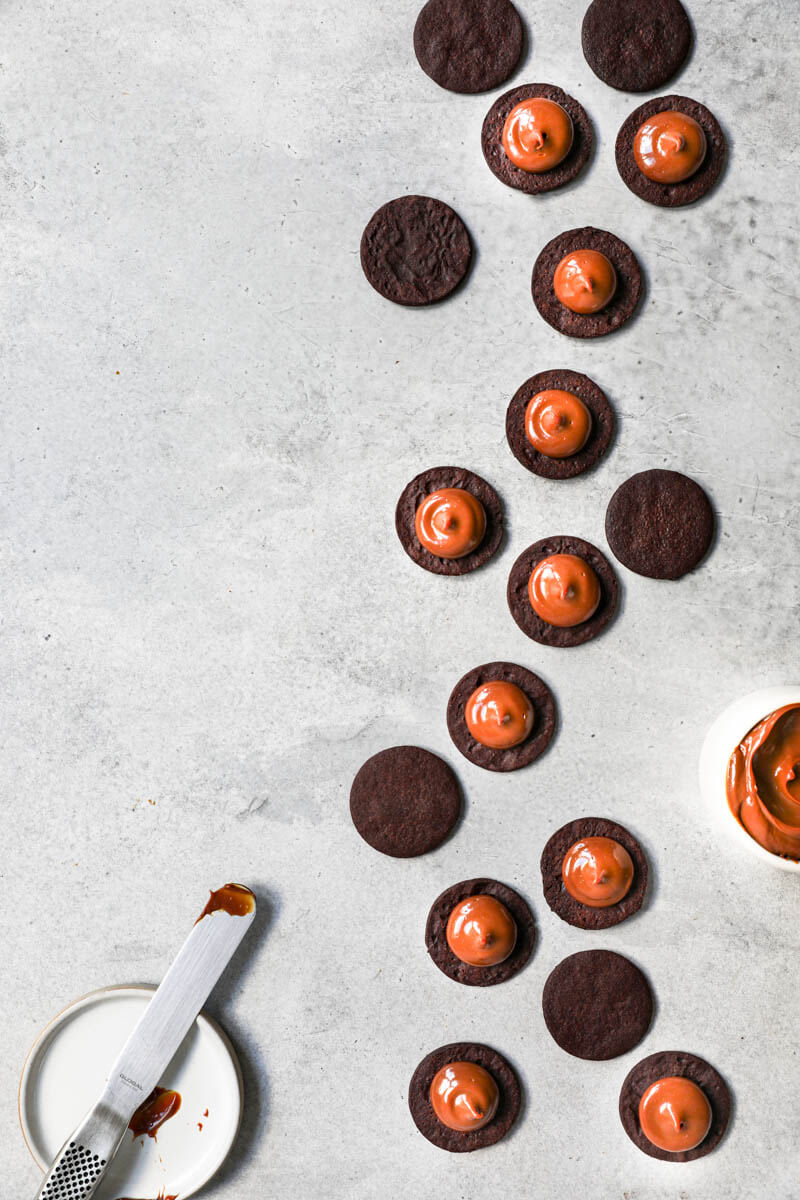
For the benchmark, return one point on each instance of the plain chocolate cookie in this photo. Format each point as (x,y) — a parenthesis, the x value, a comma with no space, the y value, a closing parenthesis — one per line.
(544,720)
(602,430)
(535,182)
(636,45)
(566,906)
(687,1066)
(439,947)
(415,250)
(454,1140)
(468,45)
(597,1004)
(448,477)
(531,623)
(405,801)
(620,307)
(671,195)
(660,524)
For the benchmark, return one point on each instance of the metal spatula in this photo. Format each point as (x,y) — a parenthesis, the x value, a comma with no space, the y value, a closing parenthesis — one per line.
(84,1159)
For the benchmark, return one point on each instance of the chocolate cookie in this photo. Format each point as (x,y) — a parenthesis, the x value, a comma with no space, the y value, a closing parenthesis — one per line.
(620,307)
(531,623)
(566,906)
(603,423)
(468,45)
(448,477)
(439,948)
(636,45)
(454,1140)
(671,195)
(415,250)
(597,1004)
(660,524)
(405,801)
(544,722)
(688,1066)
(530,181)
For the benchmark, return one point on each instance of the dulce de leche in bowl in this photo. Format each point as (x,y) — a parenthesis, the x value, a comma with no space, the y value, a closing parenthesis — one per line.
(751,763)
(763,782)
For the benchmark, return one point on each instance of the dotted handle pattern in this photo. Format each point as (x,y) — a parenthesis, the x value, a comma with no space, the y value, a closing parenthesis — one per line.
(74,1175)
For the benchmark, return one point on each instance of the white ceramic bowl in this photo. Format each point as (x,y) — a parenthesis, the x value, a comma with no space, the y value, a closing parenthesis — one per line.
(721,740)
(67,1066)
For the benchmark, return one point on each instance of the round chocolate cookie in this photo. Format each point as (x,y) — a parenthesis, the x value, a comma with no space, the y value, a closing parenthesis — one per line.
(544,721)
(688,1066)
(531,623)
(415,250)
(597,1004)
(620,307)
(425,1118)
(405,801)
(446,960)
(671,195)
(660,524)
(603,423)
(448,477)
(531,181)
(566,906)
(468,45)
(636,45)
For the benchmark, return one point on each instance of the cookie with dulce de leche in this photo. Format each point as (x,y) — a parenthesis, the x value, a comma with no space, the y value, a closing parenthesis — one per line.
(449,520)
(670,151)
(480,932)
(562,591)
(501,716)
(559,424)
(586,282)
(536,138)
(675,1106)
(594,873)
(464,1096)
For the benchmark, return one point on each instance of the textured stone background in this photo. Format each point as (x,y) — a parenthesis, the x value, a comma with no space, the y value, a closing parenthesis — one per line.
(208,622)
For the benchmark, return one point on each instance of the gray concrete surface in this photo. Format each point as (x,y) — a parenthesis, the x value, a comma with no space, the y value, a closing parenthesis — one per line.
(208,622)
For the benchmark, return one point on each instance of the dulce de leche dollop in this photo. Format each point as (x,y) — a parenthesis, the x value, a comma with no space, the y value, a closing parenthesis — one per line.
(669,147)
(537,135)
(464,1096)
(233,898)
(763,782)
(160,1105)
(563,590)
(585,281)
(674,1114)
(597,872)
(557,423)
(499,714)
(481,931)
(450,522)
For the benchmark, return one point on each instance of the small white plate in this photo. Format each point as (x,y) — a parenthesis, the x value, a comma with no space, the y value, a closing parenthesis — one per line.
(67,1068)
(721,740)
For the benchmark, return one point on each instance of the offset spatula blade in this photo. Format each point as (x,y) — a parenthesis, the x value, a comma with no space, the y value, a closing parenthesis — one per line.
(83,1161)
